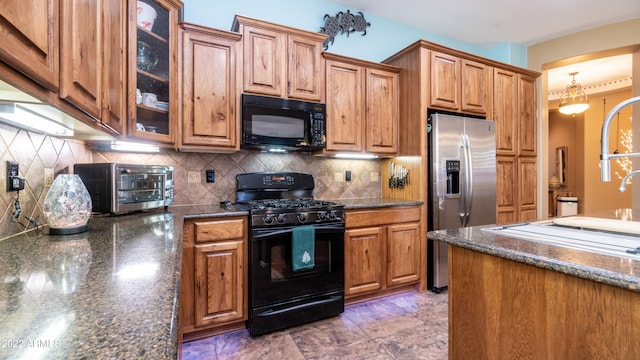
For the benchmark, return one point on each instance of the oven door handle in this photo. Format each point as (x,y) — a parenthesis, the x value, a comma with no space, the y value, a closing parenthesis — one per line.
(267,233)
(272,312)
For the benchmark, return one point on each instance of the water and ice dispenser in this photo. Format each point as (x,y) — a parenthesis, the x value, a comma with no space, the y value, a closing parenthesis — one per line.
(453,177)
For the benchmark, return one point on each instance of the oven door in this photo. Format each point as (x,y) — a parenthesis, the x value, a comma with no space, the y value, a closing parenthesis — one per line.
(272,277)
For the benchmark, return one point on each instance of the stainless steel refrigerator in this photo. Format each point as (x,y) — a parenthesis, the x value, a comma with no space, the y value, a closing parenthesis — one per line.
(462,182)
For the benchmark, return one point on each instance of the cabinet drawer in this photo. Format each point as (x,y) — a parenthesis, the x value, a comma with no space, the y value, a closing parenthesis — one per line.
(224,229)
(384,216)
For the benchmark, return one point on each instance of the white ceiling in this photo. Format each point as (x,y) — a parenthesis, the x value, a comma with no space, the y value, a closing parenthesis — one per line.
(526,22)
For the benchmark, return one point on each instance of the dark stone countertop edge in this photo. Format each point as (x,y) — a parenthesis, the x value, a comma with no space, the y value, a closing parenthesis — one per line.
(370,203)
(585,271)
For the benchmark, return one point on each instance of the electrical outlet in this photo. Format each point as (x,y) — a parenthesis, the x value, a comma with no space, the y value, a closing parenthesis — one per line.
(14,182)
(347,175)
(193,177)
(48,177)
(375,177)
(338,177)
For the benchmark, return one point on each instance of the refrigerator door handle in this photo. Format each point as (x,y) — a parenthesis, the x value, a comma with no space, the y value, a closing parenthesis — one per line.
(468,186)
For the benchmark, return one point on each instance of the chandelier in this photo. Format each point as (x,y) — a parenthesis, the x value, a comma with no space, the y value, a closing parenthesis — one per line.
(573,100)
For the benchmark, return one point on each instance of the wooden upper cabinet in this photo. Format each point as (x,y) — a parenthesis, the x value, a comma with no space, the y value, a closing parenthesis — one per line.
(30,39)
(281,61)
(527,134)
(459,84)
(209,97)
(382,114)
(345,106)
(81,50)
(153,69)
(505,110)
(445,81)
(475,86)
(362,106)
(306,68)
(264,61)
(114,97)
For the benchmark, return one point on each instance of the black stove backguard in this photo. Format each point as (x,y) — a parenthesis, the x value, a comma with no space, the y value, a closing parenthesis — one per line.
(279,296)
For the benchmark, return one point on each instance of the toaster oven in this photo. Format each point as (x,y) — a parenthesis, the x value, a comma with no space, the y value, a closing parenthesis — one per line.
(121,188)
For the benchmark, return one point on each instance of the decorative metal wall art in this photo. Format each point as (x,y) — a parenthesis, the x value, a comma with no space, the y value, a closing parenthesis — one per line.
(343,23)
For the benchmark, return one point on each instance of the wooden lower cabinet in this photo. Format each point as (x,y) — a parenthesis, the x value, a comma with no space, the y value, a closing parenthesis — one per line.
(213,287)
(382,250)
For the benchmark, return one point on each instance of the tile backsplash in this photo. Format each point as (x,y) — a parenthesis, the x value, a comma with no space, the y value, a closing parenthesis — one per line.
(35,152)
(191,187)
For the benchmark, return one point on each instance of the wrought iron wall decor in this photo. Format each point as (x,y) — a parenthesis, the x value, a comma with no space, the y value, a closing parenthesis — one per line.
(343,23)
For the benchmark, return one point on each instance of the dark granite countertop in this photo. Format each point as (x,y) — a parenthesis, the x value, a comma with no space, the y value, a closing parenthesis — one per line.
(367,203)
(111,292)
(616,271)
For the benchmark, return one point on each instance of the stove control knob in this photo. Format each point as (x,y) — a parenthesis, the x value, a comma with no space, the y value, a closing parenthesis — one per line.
(302,217)
(322,215)
(268,219)
(332,215)
(281,218)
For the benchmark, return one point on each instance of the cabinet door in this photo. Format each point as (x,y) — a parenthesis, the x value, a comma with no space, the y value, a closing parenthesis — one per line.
(382,113)
(527,188)
(81,51)
(306,69)
(153,72)
(527,125)
(475,86)
(264,61)
(30,42)
(114,99)
(505,110)
(403,254)
(506,189)
(219,283)
(445,81)
(345,106)
(364,260)
(209,114)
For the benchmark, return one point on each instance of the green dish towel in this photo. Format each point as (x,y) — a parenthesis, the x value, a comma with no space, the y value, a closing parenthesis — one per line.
(303,247)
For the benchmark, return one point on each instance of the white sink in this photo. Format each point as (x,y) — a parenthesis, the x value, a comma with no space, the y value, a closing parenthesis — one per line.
(602,236)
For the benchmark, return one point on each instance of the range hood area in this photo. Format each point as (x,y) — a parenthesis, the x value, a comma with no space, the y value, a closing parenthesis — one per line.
(21,110)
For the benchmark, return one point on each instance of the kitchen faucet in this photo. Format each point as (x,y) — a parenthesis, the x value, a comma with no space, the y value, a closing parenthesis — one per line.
(605,157)
(623,184)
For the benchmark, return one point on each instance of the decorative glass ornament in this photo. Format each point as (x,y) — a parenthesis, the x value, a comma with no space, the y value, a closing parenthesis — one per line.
(67,205)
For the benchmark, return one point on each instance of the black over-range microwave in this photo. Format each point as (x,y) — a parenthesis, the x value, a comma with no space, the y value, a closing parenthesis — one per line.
(276,124)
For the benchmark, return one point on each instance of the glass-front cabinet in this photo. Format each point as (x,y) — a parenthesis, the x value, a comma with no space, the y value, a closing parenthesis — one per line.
(153,79)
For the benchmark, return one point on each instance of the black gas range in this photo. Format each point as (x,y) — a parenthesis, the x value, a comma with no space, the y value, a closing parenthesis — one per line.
(283,216)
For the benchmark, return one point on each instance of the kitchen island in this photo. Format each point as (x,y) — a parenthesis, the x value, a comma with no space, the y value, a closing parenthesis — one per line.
(513,298)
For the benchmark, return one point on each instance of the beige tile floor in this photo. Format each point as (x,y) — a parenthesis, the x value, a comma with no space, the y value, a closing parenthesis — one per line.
(409,325)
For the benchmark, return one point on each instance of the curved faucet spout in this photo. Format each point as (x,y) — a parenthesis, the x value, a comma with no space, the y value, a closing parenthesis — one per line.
(605,156)
(623,184)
